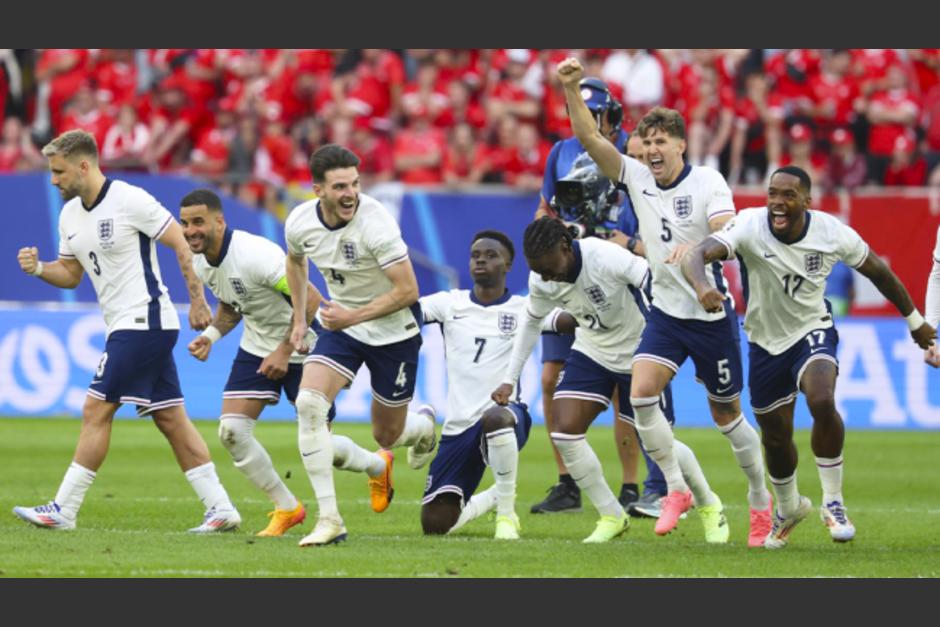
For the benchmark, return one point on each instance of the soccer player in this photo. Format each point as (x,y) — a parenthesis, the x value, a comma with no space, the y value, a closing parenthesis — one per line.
(677,206)
(564,495)
(786,252)
(372,318)
(932,304)
(247,274)
(601,285)
(107,228)
(478,326)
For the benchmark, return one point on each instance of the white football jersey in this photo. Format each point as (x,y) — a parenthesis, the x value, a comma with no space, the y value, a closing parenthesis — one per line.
(784,283)
(932,304)
(673,215)
(352,259)
(478,340)
(115,242)
(609,320)
(245,277)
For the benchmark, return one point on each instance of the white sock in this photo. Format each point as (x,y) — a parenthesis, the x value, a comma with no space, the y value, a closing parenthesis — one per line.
(479,504)
(208,488)
(788,496)
(316,448)
(656,436)
(417,427)
(746,446)
(585,469)
(503,454)
(830,476)
(237,433)
(692,471)
(72,490)
(347,455)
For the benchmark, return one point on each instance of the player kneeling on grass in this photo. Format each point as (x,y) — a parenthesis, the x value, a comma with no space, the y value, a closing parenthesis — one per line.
(788,251)
(604,287)
(247,274)
(478,326)
(107,228)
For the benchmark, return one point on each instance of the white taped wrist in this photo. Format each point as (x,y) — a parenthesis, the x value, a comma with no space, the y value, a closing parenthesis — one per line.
(213,334)
(914,320)
(38,270)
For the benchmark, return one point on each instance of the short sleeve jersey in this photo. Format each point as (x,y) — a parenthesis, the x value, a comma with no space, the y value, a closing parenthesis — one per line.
(248,269)
(479,341)
(352,259)
(677,214)
(114,241)
(785,283)
(610,321)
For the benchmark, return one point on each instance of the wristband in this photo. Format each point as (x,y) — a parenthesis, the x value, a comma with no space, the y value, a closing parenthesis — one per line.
(914,320)
(38,270)
(212,334)
(631,243)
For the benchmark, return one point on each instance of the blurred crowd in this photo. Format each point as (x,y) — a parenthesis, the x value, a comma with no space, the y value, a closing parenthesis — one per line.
(248,119)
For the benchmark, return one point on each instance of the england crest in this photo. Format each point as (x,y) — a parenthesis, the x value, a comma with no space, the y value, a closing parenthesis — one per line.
(105,229)
(239,287)
(813,263)
(682,205)
(507,322)
(350,254)
(596,295)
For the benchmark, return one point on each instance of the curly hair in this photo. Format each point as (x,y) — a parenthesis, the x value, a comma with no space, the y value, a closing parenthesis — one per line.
(542,235)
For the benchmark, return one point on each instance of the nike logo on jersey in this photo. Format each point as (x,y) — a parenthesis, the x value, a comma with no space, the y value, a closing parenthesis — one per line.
(399,393)
(646,193)
(816,350)
(456,317)
(769,255)
(71,236)
(721,391)
(302,454)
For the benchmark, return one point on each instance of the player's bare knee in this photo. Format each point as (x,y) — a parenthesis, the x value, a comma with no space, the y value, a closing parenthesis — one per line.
(822,404)
(438,518)
(724,412)
(496,418)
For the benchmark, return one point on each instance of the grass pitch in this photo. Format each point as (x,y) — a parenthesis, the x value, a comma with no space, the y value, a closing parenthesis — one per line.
(134,518)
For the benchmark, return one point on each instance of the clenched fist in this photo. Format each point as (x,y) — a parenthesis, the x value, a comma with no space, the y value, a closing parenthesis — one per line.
(29,259)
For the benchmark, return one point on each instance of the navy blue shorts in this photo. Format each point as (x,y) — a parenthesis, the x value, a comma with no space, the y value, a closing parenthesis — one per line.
(713,346)
(244,381)
(774,380)
(461,461)
(556,346)
(585,379)
(392,367)
(137,367)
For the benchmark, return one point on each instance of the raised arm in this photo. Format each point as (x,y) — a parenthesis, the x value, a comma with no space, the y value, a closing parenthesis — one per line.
(200,314)
(604,153)
(891,288)
(404,293)
(693,269)
(65,273)
(226,319)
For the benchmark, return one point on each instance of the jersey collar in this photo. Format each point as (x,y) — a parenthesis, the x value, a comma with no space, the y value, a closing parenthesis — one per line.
(101,195)
(499,301)
(338,226)
(576,268)
(686,170)
(803,233)
(226,241)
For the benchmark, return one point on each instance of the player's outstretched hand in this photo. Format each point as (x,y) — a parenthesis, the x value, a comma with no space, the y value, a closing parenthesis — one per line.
(28,258)
(678,253)
(274,366)
(570,71)
(501,394)
(712,300)
(200,315)
(200,347)
(932,355)
(924,336)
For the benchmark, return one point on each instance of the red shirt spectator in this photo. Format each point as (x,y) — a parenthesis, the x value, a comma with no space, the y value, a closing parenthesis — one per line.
(115,78)
(375,152)
(802,153)
(419,152)
(905,169)
(16,149)
(792,71)
(465,159)
(846,168)
(926,64)
(126,140)
(871,65)
(892,113)
(65,69)
(210,155)
(526,166)
(84,112)
(502,152)
(835,94)
(931,119)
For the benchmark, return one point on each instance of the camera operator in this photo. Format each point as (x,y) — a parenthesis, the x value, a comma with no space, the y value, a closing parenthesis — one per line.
(574,190)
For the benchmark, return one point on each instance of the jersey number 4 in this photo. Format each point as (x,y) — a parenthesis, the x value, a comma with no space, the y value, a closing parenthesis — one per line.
(336,277)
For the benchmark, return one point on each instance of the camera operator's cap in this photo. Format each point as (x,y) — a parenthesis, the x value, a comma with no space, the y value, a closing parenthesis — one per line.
(595,93)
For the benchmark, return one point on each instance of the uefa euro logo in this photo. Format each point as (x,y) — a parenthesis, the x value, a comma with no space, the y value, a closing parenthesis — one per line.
(682,206)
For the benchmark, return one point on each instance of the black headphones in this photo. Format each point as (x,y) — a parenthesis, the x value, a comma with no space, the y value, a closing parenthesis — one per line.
(614,109)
